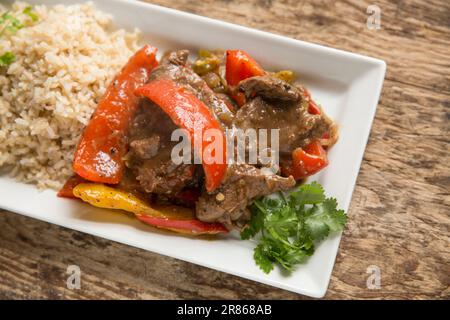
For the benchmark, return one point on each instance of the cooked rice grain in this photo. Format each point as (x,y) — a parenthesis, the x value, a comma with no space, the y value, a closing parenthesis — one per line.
(63,65)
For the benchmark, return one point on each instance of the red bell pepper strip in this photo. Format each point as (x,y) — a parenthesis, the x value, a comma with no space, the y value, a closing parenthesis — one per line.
(239,66)
(189,113)
(306,161)
(313,108)
(192,226)
(99,154)
(67,190)
(239,98)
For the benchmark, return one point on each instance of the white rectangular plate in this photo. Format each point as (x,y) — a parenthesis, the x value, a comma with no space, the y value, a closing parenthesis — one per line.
(346,84)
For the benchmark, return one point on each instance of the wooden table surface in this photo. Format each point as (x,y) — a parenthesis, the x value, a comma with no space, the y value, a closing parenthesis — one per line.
(399,216)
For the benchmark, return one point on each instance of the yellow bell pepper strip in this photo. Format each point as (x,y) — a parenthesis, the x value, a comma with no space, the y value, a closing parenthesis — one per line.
(168,217)
(189,113)
(99,154)
(106,197)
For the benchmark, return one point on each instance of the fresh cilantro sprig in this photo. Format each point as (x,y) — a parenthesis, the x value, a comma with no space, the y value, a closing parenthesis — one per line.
(29,12)
(10,24)
(6,59)
(288,227)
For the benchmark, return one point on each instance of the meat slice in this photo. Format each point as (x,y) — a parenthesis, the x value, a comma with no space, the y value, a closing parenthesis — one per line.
(145,148)
(269,88)
(296,126)
(271,104)
(178,58)
(149,156)
(242,185)
(161,176)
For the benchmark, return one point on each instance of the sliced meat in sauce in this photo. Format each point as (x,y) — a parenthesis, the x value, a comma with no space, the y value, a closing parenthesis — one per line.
(269,88)
(185,77)
(145,148)
(242,184)
(164,177)
(271,104)
(178,58)
(264,111)
(149,156)
(282,108)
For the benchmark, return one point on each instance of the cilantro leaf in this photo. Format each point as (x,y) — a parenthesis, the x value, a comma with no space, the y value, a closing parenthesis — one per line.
(10,24)
(254,226)
(308,194)
(5,16)
(290,226)
(29,12)
(262,259)
(283,223)
(325,218)
(6,59)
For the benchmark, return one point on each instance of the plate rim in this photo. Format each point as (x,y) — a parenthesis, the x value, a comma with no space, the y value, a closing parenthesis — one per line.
(377,66)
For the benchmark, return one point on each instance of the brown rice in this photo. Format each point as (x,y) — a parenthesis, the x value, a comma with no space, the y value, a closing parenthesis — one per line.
(63,64)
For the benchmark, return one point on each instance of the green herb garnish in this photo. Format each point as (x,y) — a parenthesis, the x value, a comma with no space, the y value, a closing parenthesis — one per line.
(290,225)
(10,24)
(29,12)
(6,59)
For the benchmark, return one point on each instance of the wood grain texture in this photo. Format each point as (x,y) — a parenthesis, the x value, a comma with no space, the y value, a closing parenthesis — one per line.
(399,218)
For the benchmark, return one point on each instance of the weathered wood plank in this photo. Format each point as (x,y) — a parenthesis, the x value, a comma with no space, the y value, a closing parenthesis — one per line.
(413,40)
